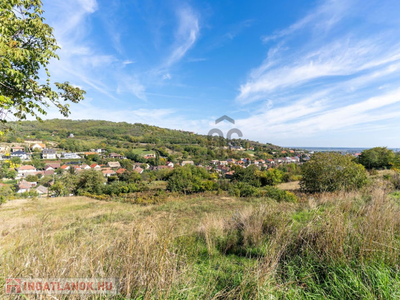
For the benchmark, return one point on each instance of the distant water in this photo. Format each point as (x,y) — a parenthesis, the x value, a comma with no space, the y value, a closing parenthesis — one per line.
(337,149)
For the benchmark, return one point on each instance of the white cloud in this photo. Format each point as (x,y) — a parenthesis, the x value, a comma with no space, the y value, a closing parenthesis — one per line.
(186,35)
(167,76)
(322,18)
(339,58)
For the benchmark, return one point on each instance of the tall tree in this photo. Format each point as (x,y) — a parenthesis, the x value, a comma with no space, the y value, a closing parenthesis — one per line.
(27,45)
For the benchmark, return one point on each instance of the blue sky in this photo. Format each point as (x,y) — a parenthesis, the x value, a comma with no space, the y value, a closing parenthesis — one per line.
(293,73)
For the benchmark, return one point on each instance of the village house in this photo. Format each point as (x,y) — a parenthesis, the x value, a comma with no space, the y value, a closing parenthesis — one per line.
(98,151)
(25,170)
(121,171)
(158,168)
(115,155)
(68,155)
(17,148)
(25,186)
(21,154)
(95,166)
(108,172)
(187,162)
(236,148)
(64,167)
(89,153)
(38,146)
(114,164)
(42,190)
(48,172)
(138,170)
(52,166)
(85,167)
(49,154)
(229,175)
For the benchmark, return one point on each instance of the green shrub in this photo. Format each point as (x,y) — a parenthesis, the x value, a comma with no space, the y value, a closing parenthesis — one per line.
(329,172)
(277,194)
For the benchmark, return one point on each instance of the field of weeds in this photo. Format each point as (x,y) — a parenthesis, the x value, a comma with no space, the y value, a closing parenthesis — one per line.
(331,246)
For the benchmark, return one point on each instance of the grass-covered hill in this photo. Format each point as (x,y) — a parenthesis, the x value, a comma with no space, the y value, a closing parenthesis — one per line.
(334,246)
(123,137)
(57,129)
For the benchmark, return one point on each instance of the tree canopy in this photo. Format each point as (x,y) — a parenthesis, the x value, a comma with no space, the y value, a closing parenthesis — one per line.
(27,45)
(377,158)
(328,172)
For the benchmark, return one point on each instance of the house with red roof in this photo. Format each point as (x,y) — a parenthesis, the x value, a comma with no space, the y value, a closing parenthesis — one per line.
(120,171)
(25,170)
(95,166)
(108,172)
(138,170)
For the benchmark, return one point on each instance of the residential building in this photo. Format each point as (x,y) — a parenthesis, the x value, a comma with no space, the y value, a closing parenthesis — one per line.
(39,146)
(115,155)
(49,154)
(53,166)
(108,172)
(42,190)
(17,148)
(95,166)
(187,162)
(24,187)
(64,167)
(25,170)
(70,156)
(114,164)
(120,171)
(21,154)
(138,170)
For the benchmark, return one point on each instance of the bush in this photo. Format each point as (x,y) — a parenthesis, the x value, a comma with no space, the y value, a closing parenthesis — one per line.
(329,172)
(277,194)
(378,157)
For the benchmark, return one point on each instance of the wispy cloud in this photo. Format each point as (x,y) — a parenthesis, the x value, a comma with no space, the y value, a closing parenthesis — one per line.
(342,57)
(186,35)
(324,78)
(322,18)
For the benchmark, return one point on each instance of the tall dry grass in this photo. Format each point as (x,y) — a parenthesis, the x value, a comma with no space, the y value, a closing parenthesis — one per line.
(284,250)
(143,257)
(342,229)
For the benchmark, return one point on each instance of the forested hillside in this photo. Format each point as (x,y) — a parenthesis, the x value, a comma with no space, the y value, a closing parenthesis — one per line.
(122,137)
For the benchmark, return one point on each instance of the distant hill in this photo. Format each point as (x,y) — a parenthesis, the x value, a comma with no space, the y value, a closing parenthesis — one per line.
(57,129)
(122,137)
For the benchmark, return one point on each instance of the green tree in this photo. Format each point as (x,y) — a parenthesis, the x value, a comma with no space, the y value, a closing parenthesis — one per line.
(328,172)
(16,160)
(90,181)
(27,45)
(31,178)
(376,158)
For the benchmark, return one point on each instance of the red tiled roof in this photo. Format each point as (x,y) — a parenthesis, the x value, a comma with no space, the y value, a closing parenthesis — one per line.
(26,167)
(108,172)
(120,171)
(138,169)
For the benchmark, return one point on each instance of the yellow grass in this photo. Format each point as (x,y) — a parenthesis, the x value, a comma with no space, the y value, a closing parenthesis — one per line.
(289,186)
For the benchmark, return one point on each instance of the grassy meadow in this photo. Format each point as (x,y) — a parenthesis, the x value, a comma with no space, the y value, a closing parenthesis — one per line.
(330,246)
